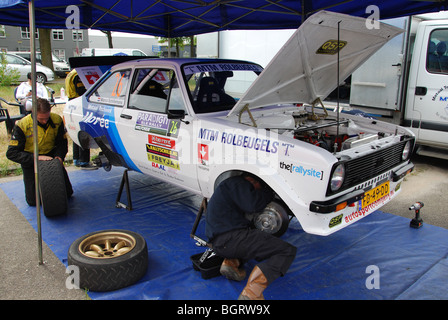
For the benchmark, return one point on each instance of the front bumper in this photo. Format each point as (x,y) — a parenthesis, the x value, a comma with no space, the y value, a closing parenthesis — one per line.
(339,203)
(61,73)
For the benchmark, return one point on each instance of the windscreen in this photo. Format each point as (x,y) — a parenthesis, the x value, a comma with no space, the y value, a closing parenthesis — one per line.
(218,86)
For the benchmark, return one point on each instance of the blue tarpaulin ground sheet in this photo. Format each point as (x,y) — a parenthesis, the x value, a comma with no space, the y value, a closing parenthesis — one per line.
(379,257)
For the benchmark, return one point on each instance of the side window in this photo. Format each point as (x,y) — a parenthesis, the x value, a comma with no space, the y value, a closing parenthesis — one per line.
(437,55)
(113,90)
(14,60)
(137,53)
(152,88)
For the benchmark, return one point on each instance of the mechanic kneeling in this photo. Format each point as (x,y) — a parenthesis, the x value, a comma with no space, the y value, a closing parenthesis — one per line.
(232,238)
(52,143)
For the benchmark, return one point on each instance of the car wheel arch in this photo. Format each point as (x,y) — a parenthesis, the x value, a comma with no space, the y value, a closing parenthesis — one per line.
(86,141)
(282,209)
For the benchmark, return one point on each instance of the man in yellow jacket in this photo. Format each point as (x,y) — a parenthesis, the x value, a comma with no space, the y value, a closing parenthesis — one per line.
(52,143)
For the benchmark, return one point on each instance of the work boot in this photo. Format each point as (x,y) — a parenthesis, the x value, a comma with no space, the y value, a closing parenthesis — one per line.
(255,286)
(229,269)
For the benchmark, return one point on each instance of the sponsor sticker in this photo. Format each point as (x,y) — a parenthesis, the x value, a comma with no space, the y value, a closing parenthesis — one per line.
(331,47)
(203,153)
(164,161)
(172,154)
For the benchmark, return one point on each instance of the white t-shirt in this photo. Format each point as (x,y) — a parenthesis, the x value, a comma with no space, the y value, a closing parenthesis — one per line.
(24,88)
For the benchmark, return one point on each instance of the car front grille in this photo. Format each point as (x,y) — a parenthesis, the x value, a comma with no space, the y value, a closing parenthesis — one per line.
(371,165)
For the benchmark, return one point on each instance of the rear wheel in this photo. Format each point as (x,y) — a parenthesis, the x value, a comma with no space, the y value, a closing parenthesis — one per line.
(274,219)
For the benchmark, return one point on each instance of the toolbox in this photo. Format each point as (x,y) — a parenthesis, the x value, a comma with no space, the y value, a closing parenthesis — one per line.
(209,267)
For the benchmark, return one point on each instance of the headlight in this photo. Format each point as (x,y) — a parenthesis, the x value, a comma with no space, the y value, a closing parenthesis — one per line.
(406,150)
(337,178)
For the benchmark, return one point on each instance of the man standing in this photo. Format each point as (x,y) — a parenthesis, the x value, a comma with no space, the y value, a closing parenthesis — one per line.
(52,143)
(75,88)
(232,238)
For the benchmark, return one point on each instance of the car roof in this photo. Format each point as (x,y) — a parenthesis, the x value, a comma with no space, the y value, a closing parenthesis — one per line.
(173,62)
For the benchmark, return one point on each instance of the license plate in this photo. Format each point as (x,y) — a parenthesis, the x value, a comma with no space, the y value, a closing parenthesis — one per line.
(375,194)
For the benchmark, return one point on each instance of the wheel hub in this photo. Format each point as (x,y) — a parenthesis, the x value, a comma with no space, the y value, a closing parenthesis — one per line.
(107,245)
(268,221)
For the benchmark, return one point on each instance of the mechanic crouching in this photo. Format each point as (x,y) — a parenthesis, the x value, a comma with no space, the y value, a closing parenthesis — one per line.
(232,238)
(52,143)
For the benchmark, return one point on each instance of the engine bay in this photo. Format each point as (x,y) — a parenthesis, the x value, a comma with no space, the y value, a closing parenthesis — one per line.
(324,129)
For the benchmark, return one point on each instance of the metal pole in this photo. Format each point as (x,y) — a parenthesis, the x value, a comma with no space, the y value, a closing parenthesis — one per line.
(34,113)
(337,82)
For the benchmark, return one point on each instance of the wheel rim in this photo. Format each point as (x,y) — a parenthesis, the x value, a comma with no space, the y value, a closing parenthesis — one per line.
(268,221)
(107,245)
(40,78)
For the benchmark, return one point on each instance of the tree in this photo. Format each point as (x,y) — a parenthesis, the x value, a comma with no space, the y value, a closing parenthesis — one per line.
(7,75)
(109,38)
(179,43)
(45,47)
(192,42)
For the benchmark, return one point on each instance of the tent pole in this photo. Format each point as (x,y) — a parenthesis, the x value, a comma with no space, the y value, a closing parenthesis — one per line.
(34,113)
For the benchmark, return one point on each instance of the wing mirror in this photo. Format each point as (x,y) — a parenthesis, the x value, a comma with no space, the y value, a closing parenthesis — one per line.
(176,114)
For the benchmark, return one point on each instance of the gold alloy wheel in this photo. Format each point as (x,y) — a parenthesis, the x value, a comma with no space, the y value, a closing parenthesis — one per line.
(106,245)
(109,259)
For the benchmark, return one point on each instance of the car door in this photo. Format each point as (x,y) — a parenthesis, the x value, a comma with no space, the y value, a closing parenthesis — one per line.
(428,91)
(157,144)
(20,64)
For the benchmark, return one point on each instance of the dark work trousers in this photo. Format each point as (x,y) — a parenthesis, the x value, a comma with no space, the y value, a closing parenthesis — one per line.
(80,154)
(275,254)
(30,185)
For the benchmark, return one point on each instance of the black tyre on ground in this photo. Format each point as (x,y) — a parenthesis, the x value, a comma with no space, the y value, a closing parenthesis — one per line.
(53,192)
(109,259)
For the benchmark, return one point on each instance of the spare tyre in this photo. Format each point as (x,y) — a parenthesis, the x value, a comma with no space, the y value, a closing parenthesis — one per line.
(109,259)
(53,192)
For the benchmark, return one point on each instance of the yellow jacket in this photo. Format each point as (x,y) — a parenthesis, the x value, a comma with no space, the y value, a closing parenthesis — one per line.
(52,140)
(73,85)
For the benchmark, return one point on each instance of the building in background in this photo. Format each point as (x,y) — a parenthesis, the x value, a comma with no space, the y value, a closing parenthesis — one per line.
(65,43)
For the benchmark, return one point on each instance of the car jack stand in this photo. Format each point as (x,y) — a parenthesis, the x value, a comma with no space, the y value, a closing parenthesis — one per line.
(417,222)
(208,262)
(124,182)
(199,242)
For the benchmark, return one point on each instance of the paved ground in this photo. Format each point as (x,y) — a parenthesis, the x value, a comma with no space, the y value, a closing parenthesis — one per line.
(428,184)
(21,277)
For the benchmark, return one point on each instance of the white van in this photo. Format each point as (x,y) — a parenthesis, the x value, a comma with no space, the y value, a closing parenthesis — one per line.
(90,52)
(407,81)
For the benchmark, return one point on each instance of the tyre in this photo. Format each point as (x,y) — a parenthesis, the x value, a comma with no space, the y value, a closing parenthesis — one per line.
(274,219)
(109,259)
(53,192)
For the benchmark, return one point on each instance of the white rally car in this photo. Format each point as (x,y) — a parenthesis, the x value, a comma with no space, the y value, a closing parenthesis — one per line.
(196,122)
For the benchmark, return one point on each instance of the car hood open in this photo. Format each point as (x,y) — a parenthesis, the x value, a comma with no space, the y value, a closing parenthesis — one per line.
(306,67)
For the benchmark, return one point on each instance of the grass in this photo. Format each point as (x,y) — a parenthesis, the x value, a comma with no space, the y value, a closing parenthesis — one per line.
(8,167)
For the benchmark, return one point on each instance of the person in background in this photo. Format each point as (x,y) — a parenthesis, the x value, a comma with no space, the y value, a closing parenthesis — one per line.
(24,89)
(75,88)
(23,92)
(52,144)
